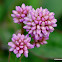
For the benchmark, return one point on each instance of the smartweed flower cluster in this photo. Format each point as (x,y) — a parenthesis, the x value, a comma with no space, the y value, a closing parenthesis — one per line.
(39,24)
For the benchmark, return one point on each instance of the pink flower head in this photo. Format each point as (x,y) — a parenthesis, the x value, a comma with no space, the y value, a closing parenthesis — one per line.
(41,41)
(20,12)
(20,44)
(39,23)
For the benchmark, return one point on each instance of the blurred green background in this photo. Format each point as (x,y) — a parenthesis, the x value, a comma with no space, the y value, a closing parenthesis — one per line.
(46,53)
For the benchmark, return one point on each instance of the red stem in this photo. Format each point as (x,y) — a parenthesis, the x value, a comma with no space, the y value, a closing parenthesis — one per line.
(9,57)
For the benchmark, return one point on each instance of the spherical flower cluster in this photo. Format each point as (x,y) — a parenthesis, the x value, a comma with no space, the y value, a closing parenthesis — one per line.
(20,44)
(42,40)
(39,23)
(20,12)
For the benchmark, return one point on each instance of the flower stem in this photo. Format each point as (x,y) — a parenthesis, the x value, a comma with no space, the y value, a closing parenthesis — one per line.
(20,59)
(22,32)
(22,29)
(9,57)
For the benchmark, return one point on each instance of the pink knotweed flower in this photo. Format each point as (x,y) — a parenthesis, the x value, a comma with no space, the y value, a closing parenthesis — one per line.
(40,23)
(41,41)
(20,44)
(20,12)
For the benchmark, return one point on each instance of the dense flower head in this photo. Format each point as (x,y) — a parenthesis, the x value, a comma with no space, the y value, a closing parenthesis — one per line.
(39,23)
(20,44)
(20,12)
(41,41)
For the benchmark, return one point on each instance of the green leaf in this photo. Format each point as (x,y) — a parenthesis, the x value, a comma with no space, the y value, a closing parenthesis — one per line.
(13,57)
(2,13)
(30,58)
(53,6)
(3,55)
(35,3)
